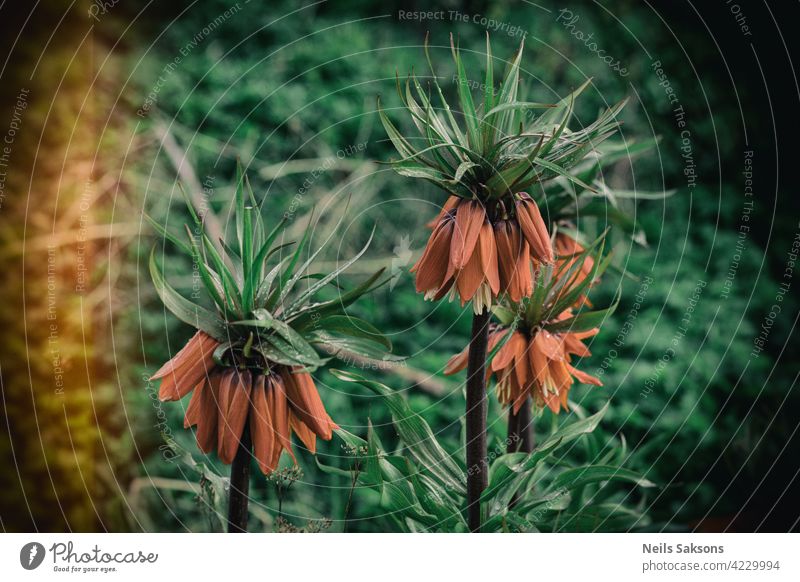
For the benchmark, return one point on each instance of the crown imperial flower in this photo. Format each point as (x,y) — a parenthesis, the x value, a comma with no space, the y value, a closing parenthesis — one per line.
(490,235)
(535,364)
(569,250)
(248,365)
(533,347)
(490,244)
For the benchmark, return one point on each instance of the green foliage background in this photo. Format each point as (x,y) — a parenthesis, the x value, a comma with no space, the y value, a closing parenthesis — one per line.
(305,87)
(291,91)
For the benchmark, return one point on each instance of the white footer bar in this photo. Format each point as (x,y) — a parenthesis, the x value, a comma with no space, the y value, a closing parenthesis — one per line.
(390,557)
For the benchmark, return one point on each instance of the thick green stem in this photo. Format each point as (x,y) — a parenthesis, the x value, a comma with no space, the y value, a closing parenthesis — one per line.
(240,485)
(477,472)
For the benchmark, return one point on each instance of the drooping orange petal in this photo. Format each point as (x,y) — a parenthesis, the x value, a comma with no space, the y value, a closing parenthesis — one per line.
(560,374)
(470,278)
(185,379)
(549,345)
(449,205)
(208,415)
(333,426)
(581,335)
(583,377)
(180,380)
(538,362)
(514,346)
(194,409)
(495,337)
(167,390)
(521,364)
(520,399)
(504,386)
(457,362)
(517,393)
(427,250)
(187,368)
(469,218)
(565,244)
(534,229)
(305,402)
(237,415)
(520,284)
(308,438)
(443,228)
(200,345)
(314,407)
(551,399)
(488,253)
(529,230)
(226,388)
(261,427)
(564,398)
(505,257)
(523,271)
(566,314)
(434,263)
(568,249)
(279,411)
(575,346)
(444,289)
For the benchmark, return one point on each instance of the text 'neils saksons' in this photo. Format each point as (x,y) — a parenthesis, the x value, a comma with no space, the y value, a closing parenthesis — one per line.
(664,548)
